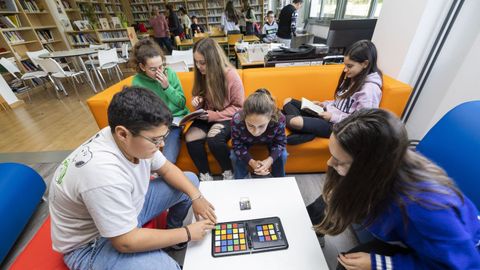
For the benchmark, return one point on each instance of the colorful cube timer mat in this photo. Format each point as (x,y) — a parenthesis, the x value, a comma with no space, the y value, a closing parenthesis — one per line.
(248,236)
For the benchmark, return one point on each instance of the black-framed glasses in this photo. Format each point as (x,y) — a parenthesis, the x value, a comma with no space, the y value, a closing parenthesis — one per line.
(158,140)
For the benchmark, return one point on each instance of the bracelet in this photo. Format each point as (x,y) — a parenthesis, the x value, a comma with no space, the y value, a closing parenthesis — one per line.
(189,237)
(198,197)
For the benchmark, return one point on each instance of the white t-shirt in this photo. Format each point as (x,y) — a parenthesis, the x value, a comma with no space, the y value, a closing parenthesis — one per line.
(96,191)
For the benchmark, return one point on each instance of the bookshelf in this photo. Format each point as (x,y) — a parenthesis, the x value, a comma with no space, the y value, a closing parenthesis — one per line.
(103,17)
(27,25)
(208,12)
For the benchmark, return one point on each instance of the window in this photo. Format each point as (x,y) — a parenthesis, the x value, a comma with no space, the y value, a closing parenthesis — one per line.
(326,10)
(323,9)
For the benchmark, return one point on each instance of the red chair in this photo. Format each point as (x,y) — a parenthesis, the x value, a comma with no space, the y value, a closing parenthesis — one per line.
(39,255)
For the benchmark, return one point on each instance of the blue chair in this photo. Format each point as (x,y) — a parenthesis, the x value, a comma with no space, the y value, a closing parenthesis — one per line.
(454,144)
(21,189)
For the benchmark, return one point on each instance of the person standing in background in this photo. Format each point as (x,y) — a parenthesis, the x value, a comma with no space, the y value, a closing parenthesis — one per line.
(161,33)
(288,22)
(185,21)
(174,24)
(230,19)
(249,16)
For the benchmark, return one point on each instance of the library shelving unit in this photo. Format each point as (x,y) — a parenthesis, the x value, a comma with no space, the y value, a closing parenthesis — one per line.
(107,28)
(27,25)
(208,12)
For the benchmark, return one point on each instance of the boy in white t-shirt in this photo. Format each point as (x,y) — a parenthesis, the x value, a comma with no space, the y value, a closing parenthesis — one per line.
(101,194)
(270,28)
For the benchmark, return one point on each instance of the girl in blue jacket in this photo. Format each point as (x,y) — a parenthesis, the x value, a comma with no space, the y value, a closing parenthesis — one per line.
(418,216)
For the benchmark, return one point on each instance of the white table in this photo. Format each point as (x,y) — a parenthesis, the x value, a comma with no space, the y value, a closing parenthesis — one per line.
(77,54)
(268,197)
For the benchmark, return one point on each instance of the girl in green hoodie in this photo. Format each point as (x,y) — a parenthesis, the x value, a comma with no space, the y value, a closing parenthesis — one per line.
(153,74)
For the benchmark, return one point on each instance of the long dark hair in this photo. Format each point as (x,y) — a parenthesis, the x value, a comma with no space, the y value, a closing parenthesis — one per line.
(383,171)
(360,51)
(231,12)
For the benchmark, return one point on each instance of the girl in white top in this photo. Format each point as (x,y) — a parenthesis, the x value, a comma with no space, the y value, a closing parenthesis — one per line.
(230,18)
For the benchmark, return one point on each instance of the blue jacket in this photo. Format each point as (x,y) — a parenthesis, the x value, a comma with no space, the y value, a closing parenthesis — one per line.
(439,238)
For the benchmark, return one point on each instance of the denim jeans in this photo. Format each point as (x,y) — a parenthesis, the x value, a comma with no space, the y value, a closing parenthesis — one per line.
(172,144)
(241,168)
(102,255)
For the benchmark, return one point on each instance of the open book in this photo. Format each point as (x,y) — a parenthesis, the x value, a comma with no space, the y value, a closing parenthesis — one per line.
(182,121)
(311,107)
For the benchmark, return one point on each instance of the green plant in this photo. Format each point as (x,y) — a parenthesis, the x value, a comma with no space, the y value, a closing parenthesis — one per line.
(123,19)
(91,17)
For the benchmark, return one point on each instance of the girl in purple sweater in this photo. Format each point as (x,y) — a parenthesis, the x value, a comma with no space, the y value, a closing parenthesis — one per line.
(260,122)
(359,86)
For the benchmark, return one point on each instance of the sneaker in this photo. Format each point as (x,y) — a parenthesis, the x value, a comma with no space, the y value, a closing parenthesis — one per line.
(228,175)
(205,177)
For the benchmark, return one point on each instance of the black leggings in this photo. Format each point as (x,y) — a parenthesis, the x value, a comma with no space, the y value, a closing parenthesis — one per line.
(311,124)
(217,145)
(316,212)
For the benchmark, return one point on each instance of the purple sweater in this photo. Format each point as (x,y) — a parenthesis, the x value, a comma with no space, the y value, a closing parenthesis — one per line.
(274,137)
(368,96)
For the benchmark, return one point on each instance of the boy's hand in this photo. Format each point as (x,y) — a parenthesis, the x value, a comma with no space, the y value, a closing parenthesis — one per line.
(204,209)
(358,260)
(199,229)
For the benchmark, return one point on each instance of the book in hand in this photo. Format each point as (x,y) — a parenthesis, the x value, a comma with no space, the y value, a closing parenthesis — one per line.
(182,121)
(311,107)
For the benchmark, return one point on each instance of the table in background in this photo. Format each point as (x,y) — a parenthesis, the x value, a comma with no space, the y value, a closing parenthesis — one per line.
(222,41)
(244,63)
(77,54)
(268,197)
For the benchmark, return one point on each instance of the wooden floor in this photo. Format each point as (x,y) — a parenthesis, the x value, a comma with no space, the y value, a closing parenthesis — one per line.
(48,124)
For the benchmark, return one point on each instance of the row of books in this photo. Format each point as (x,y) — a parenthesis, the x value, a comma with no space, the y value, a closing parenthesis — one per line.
(110,9)
(30,5)
(119,44)
(28,65)
(197,5)
(8,5)
(140,17)
(10,21)
(66,5)
(45,35)
(140,8)
(114,35)
(13,36)
(82,38)
(49,47)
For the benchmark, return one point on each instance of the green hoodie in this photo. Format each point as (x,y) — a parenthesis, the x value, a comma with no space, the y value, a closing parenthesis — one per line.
(172,96)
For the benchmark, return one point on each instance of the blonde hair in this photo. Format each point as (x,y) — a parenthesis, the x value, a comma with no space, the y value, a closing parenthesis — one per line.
(143,50)
(261,102)
(212,85)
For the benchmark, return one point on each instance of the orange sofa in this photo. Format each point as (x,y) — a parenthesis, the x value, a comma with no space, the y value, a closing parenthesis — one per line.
(314,83)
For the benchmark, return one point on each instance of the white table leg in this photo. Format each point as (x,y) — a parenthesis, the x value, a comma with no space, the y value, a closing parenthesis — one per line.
(79,59)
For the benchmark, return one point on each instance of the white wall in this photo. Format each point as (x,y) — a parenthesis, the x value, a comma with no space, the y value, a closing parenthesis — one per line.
(455,78)
(404,34)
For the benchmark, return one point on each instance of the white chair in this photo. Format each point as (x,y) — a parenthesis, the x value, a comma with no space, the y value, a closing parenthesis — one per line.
(177,56)
(10,65)
(180,66)
(56,72)
(108,60)
(179,53)
(33,55)
(124,58)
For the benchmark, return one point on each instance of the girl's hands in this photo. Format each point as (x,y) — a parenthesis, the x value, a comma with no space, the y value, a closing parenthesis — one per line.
(162,79)
(318,103)
(325,115)
(197,101)
(263,167)
(355,261)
